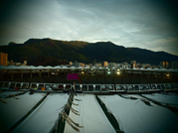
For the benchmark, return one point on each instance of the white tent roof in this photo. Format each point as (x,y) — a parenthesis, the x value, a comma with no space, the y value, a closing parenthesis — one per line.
(12,67)
(93,67)
(22,67)
(164,98)
(48,67)
(64,67)
(14,109)
(172,70)
(40,67)
(87,67)
(44,117)
(57,67)
(155,68)
(113,67)
(148,69)
(134,116)
(100,68)
(2,67)
(80,67)
(91,117)
(31,67)
(106,68)
(163,69)
(72,67)
(7,93)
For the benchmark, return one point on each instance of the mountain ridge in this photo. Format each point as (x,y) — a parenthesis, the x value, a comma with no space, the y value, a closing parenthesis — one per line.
(80,51)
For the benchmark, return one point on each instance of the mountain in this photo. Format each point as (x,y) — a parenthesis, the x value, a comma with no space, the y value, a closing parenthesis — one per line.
(53,52)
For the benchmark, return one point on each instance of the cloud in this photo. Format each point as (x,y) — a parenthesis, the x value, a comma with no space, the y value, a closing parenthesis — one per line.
(132,23)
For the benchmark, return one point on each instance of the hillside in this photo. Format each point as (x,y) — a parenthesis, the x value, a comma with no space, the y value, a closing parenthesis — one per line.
(52,52)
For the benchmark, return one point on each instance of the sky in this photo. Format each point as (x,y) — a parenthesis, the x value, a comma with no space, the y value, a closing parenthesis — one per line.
(147,24)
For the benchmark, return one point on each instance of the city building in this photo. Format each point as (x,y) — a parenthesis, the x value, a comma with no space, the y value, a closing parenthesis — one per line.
(3,59)
(70,63)
(146,65)
(165,64)
(111,64)
(11,62)
(87,66)
(17,63)
(105,64)
(139,65)
(168,65)
(76,64)
(98,64)
(174,65)
(24,63)
(133,64)
(118,65)
(82,64)
(154,66)
(125,65)
(162,63)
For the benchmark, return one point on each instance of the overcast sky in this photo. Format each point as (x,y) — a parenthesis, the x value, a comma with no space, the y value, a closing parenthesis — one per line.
(148,24)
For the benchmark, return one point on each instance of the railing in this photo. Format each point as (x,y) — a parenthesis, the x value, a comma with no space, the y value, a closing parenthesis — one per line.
(87,87)
(13,85)
(94,87)
(50,86)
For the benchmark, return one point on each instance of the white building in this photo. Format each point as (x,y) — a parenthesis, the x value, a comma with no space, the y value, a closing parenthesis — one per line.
(111,64)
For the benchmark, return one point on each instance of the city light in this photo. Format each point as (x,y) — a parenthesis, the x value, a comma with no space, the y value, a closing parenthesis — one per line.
(109,72)
(118,73)
(167,75)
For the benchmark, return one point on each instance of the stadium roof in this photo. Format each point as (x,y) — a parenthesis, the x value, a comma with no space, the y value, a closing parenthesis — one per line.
(40,111)
(12,67)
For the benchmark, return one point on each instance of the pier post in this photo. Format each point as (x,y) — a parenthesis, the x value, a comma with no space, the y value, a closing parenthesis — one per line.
(12,74)
(21,75)
(39,73)
(30,73)
(48,73)
(1,75)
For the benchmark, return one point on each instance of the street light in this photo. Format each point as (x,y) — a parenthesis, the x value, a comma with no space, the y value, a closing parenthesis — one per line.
(167,75)
(118,73)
